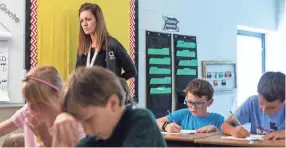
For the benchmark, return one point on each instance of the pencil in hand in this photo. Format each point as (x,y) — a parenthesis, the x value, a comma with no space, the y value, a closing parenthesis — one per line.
(39,139)
(171,116)
(236,119)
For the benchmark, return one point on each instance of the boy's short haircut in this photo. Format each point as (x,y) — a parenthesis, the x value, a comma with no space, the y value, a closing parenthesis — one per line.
(92,86)
(272,86)
(200,87)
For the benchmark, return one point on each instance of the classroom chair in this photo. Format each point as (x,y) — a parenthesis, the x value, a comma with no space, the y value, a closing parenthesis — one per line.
(14,140)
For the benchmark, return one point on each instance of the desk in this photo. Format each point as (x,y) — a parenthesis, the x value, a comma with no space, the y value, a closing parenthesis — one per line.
(218,141)
(185,139)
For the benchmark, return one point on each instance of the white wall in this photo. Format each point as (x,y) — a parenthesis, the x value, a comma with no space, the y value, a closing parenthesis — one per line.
(214,24)
(17,47)
(276,41)
(281,15)
(275,52)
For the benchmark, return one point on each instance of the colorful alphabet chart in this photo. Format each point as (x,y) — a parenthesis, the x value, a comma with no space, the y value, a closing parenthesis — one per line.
(4,71)
(222,75)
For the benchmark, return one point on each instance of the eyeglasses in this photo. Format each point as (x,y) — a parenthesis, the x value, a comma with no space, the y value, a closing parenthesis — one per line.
(196,104)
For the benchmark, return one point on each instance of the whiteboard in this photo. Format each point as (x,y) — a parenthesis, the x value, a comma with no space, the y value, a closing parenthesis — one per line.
(16,49)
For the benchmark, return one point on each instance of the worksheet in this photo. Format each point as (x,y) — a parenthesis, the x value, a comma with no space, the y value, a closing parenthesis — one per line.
(182,132)
(252,137)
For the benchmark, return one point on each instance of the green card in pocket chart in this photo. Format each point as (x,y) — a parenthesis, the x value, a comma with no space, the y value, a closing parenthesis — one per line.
(156,70)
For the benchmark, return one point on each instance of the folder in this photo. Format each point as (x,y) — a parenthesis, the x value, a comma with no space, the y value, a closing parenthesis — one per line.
(156,70)
(187,71)
(160,90)
(183,44)
(158,51)
(188,63)
(160,61)
(186,53)
(166,80)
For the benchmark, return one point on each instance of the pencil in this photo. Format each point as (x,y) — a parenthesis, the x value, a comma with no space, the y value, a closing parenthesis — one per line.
(171,116)
(236,119)
(39,139)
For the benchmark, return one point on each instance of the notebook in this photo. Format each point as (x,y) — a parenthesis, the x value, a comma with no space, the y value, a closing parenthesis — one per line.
(182,132)
(252,137)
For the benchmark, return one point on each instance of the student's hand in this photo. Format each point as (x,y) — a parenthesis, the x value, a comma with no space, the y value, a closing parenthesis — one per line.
(275,135)
(65,131)
(207,129)
(36,123)
(240,132)
(173,128)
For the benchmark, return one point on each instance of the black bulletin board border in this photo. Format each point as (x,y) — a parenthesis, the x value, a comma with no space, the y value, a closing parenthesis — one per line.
(27,35)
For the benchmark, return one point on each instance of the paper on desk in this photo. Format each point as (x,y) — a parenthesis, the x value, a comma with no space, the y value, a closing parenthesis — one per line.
(182,132)
(252,137)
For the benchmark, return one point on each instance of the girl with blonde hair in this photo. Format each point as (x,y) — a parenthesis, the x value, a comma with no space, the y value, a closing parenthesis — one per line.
(42,91)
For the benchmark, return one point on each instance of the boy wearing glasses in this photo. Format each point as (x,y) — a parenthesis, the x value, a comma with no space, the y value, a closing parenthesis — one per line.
(199,96)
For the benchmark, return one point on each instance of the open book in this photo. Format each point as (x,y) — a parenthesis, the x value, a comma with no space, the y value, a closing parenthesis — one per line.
(252,137)
(182,132)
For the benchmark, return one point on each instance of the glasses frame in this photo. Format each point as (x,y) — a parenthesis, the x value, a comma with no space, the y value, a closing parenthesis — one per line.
(191,104)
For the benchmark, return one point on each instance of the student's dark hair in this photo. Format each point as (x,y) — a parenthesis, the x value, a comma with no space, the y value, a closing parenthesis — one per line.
(200,87)
(92,86)
(272,86)
(128,95)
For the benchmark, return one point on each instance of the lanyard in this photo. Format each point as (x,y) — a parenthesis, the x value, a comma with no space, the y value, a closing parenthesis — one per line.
(88,63)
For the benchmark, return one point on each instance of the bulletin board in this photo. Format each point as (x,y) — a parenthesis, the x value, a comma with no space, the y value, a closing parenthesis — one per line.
(158,73)
(186,64)
(52,32)
(221,75)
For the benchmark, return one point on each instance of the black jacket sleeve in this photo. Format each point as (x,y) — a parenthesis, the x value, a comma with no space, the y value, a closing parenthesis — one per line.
(79,61)
(125,61)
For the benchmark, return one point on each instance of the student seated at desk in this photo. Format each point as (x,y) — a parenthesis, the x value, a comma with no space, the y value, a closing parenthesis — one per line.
(199,96)
(265,112)
(95,97)
(41,90)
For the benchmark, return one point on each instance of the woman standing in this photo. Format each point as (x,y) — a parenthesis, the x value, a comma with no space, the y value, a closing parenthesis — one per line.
(97,47)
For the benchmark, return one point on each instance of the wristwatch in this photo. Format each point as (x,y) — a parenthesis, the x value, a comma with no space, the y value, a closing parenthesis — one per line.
(164,126)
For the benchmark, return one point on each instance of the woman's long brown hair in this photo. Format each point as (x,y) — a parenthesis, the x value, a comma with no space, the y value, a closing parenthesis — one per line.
(84,40)
(128,95)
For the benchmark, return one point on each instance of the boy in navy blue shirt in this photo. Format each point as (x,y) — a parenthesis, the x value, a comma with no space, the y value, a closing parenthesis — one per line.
(265,112)
(199,96)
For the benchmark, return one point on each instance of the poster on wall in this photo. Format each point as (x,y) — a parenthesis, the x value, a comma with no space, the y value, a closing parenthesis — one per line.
(158,73)
(4,71)
(222,75)
(170,23)
(186,64)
